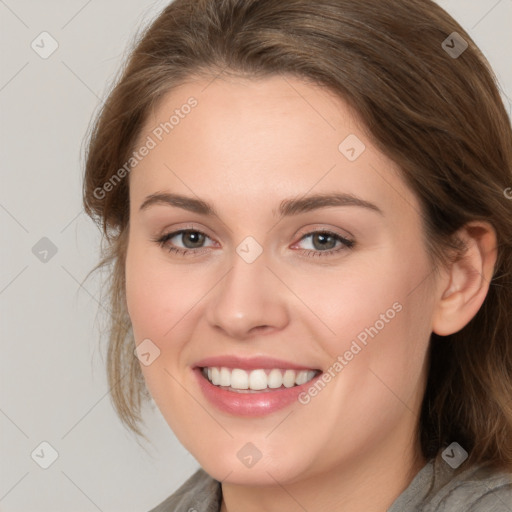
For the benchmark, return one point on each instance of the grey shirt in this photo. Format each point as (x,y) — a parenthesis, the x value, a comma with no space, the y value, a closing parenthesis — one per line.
(437,487)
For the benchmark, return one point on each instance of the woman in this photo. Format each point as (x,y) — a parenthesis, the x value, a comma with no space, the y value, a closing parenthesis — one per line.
(307,218)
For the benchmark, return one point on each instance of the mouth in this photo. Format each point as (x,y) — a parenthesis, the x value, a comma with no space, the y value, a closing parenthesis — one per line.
(258,380)
(255,386)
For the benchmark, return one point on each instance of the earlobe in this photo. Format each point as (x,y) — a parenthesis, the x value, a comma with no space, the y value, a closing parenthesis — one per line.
(465,284)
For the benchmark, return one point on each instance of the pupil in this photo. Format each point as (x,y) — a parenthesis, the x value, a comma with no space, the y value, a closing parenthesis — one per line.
(195,238)
(323,238)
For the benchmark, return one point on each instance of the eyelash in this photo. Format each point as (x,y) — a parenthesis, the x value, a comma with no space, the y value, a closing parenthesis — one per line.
(346,243)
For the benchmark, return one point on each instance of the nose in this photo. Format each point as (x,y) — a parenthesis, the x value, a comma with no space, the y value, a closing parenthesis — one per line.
(248,301)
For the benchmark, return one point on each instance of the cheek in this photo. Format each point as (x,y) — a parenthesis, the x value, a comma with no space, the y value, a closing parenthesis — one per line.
(380,317)
(158,295)
(157,301)
(352,300)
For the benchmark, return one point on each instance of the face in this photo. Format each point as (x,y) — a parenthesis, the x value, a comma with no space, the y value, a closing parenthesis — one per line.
(275,285)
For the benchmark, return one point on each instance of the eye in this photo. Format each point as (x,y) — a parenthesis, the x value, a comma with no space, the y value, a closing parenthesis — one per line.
(324,243)
(191,239)
(321,243)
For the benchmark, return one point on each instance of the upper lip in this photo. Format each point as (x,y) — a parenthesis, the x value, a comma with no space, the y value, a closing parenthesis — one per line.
(249,363)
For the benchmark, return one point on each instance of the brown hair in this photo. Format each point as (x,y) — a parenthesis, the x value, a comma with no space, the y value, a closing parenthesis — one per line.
(438,116)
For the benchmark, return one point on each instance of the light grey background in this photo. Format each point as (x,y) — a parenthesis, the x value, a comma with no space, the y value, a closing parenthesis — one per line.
(53,386)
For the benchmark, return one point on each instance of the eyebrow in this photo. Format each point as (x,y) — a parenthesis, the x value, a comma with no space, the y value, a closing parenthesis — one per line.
(287,207)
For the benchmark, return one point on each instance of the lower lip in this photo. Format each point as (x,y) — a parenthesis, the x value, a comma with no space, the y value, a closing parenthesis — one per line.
(250,404)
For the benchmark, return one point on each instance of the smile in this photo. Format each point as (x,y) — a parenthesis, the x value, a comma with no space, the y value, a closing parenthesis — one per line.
(239,380)
(252,386)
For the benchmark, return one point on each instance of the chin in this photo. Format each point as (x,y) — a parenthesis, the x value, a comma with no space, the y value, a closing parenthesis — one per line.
(265,471)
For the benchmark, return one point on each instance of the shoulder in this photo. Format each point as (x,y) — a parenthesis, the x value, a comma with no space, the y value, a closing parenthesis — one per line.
(439,488)
(476,489)
(200,493)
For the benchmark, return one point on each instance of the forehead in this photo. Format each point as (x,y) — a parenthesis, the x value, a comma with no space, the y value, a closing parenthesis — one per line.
(257,141)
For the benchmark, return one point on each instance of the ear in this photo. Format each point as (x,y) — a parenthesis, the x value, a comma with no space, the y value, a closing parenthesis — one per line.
(465,283)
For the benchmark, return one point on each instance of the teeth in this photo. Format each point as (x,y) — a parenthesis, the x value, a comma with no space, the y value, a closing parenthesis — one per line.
(257,380)
(239,379)
(225,377)
(302,378)
(275,379)
(216,376)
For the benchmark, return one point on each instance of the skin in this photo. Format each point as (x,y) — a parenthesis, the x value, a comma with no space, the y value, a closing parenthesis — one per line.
(247,146)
